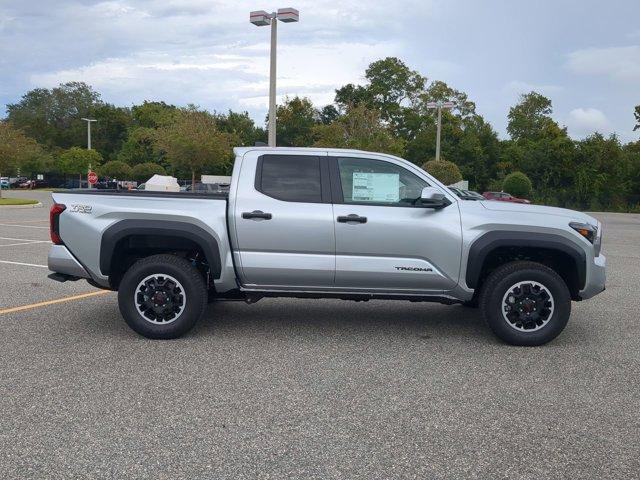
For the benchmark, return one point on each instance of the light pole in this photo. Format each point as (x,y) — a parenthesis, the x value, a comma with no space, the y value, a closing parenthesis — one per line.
(89,121)
(261,18)
(439,105)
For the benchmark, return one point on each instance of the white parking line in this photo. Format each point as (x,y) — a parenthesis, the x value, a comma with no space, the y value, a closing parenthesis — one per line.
(24,243)
(23,239)
(23,264)
(21,226)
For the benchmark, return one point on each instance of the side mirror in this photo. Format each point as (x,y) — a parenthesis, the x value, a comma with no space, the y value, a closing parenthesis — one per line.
(431,197)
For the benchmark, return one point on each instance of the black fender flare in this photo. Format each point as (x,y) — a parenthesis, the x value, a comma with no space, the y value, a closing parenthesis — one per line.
(489,241)
(124,228)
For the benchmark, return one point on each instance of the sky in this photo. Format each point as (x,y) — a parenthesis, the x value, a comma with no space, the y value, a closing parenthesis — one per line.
(583,54)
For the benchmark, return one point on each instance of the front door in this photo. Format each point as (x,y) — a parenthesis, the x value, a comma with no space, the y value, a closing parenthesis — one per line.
(284,222)
(384,239)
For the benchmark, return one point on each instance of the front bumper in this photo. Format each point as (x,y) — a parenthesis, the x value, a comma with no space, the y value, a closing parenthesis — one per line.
(596,278)
(61,261)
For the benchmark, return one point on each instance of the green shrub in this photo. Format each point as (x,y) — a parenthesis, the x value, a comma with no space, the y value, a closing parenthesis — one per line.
(116,169)
(517,184)
(495,185)
(445,171)
(144,171)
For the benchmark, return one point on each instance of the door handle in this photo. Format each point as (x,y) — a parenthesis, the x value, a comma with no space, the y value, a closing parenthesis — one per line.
(352,218)
(256,214)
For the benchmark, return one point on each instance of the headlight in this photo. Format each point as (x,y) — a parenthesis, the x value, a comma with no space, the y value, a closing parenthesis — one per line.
(590,232)
(597,244)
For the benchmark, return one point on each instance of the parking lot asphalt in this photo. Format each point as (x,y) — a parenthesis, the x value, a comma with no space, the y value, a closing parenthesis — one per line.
(311,388)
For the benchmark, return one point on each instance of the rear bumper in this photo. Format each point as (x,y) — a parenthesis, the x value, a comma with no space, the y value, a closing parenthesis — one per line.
(61,261)
(596,278)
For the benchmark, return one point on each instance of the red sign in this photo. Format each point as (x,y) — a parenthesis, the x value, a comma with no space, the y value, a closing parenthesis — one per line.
(92,177)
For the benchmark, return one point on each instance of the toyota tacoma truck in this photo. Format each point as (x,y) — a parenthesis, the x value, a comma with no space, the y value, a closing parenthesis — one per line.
(327,223)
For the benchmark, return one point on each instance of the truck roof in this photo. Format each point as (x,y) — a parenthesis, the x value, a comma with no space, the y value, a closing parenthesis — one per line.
(243,150)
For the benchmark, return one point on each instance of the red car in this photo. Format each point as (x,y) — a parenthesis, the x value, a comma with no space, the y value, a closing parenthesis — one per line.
(504,197)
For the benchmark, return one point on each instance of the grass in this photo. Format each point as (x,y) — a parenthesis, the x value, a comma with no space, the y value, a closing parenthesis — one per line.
(17,201)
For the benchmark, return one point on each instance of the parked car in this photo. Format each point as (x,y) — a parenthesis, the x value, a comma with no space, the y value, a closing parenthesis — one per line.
(207,187)
(473,194)
(31,184)
(462,194)
(18,181)
(4,182)
(331,223)
(504,197)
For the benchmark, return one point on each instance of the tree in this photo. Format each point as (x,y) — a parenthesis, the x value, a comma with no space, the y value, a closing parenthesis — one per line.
(393,89)
(192,142)
(295,119)
(144,171)
(54,117)
(111,130)
(518,185)
(116,169)
(443,170)
(242,126)
(359,128)
(529,118)
(601,173)
(439,91)
(140,147)
(77,160)
(637,115)
(328,114)
(19,152)
(153,114)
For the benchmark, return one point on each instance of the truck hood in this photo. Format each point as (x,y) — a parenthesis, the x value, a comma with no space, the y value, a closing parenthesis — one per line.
(572,215)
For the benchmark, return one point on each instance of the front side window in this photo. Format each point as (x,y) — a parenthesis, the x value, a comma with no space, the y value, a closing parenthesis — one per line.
(378,182)
(293,178)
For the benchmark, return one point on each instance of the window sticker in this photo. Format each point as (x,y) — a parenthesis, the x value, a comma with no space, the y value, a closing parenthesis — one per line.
(376,187)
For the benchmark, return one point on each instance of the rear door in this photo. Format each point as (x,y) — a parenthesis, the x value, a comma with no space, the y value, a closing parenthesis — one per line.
(384,240)
(284,221)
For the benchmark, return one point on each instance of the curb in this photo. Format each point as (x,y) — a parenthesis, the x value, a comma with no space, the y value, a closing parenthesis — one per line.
(33,205)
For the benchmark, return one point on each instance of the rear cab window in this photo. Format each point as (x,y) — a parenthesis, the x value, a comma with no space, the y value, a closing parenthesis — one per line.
(292,178)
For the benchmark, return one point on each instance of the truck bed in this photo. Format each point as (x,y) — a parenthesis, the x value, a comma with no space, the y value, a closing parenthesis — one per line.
(90,213)
(148,193)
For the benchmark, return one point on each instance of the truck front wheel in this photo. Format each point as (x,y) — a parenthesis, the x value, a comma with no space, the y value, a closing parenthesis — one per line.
(162,296)
(525,303)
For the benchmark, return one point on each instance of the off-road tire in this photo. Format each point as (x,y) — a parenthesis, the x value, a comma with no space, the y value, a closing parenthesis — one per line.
(499,283)
(187,275)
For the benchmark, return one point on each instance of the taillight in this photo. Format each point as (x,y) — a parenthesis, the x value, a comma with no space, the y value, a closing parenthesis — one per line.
(54,222)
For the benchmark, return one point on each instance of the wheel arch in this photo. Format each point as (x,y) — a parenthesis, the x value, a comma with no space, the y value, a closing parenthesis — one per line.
(495,248)
(162,231)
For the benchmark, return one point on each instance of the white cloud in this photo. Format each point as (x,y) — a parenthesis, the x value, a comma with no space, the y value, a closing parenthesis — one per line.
(585,121)
(226,76)
(517,87)
(199,51)
(620,63)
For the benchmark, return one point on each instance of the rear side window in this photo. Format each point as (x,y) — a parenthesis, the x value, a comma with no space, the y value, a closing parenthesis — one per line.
(293,178)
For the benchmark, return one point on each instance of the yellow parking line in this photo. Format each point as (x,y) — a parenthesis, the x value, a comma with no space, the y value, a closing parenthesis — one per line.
(53,302)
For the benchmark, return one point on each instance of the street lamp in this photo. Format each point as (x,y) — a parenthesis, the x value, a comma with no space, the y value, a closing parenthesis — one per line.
(439,105)
(89,121)
(261,18)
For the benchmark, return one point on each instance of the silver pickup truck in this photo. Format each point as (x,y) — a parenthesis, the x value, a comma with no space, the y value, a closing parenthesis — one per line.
(310,223)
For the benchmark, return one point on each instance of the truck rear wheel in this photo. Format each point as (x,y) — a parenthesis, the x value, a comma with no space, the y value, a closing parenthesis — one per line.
(525,303)
(162,296)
